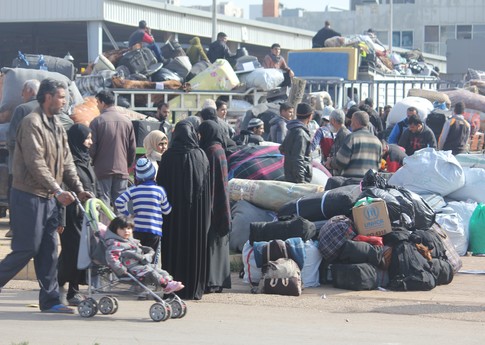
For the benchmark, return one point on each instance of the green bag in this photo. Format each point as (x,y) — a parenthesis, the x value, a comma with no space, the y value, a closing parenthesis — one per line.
(477,230)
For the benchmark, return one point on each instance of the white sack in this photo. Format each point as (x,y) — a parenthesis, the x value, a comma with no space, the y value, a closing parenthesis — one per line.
(474,188)
(398,111)
(263,78)
(454,219)
(430,171)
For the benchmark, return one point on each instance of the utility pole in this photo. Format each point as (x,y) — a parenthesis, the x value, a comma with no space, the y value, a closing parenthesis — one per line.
(390,24)
(214,20)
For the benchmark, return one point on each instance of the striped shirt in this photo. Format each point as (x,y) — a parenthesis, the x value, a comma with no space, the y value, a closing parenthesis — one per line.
(150,203)
(360,152)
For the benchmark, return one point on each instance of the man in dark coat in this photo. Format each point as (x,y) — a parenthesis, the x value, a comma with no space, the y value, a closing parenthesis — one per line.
(219,49)
(318,41)
(297,146)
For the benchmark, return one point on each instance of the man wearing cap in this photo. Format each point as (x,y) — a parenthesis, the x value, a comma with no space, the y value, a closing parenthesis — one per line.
(253,135)
(297,146)
(360,151)
(219,49)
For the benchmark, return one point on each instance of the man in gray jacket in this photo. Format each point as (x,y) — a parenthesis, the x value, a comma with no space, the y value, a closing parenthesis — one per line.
(113,149)
(42,161)
(297,146)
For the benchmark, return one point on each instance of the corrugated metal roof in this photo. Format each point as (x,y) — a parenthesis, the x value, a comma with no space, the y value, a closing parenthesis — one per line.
(159,16)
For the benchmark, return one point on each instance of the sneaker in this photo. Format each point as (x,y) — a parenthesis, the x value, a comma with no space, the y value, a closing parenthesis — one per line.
(173,286)
(9,234)
(59,309)
(75,300)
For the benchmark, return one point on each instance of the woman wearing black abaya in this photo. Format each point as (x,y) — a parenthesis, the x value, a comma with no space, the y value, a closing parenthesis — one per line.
(79,139)
(219,271)
(184,173)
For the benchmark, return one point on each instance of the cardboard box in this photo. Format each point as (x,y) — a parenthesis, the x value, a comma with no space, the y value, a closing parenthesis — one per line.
(372,219)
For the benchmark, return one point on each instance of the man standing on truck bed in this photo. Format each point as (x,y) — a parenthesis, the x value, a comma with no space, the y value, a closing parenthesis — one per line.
(144,35)
(318,41)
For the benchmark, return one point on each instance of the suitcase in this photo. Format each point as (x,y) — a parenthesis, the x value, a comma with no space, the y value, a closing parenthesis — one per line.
(141,61)
(355,277)
(53,64)
(142,128)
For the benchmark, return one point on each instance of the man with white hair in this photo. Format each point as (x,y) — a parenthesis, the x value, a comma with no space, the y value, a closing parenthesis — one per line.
(337,121)
(360,151)
(29,93)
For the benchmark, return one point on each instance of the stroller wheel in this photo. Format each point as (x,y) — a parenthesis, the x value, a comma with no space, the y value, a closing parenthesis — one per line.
(184,309)
(178,308)
(88,307)
(116,305)
(107,305)
(160,311)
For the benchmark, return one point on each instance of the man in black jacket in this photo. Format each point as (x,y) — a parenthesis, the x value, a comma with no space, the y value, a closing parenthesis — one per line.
(219,49)
(297,146)
(318,41)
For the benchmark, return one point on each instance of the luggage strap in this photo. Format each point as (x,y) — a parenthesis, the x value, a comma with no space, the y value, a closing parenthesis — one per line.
(323,203)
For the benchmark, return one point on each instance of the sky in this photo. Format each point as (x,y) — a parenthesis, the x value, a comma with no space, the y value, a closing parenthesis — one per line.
(309,5)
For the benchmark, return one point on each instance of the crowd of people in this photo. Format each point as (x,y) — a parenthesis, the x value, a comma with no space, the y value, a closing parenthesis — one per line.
(180,198)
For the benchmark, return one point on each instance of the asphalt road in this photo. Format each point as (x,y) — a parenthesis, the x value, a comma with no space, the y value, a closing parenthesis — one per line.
(452,314)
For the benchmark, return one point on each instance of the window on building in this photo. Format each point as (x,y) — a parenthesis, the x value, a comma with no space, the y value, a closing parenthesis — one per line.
(403,39)
(382,36)
(432,39)
(396,38)
(407,39)
(478,31)
(447,32)
(464,32)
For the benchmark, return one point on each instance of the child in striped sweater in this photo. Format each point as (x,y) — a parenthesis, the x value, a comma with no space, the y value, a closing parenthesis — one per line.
(150,203)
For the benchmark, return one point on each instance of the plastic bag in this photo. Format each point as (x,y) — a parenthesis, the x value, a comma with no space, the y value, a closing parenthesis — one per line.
(430,171)
(477,230)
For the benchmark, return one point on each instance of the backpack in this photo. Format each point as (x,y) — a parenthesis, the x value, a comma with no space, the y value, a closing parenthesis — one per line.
(281,276)
(409,270)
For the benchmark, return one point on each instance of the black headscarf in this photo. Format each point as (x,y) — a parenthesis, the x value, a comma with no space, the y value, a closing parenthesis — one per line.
(184,137)
(208,114)
(187,158)
(76,135)
(211,133)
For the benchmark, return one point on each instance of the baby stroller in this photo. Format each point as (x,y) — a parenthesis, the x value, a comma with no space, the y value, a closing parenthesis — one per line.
(101,279)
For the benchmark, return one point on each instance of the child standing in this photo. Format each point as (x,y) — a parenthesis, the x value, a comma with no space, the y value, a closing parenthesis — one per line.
(125,254)
(150,203)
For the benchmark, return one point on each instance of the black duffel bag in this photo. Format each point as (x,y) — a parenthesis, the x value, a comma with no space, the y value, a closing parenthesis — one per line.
(284,228)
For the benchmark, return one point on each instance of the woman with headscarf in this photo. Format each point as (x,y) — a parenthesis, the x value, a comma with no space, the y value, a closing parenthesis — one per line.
(196,52)
(79,139)
(155,144)
(219,271)
(184,173)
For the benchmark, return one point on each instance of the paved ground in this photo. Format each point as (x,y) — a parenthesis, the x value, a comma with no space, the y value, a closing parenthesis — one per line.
(451,314)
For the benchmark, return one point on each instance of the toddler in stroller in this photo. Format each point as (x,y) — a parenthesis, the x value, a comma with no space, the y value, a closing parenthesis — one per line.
(125,254)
